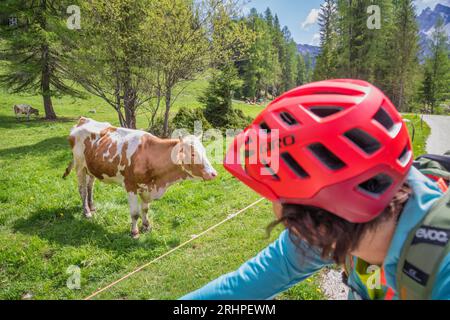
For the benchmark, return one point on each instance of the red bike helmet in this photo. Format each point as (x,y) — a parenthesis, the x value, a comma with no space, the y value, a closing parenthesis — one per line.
(339,145)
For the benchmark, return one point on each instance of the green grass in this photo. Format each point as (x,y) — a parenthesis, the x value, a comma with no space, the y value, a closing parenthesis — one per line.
(43,231)
(420,131)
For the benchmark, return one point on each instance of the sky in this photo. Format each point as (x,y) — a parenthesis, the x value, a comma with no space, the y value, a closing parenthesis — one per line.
(301,15)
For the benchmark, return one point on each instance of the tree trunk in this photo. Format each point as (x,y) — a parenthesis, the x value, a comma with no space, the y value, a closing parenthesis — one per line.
(401,95)
(118,106)
(130,118)
(45,85)
(129,101)
(155,112)
(130,108)
(167,112)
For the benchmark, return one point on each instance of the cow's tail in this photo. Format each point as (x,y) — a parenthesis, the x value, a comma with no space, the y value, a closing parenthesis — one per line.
(68,170)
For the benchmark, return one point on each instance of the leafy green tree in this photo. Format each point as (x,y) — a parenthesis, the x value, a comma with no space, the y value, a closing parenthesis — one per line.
(111,57)
(189,37)
(35,49)
(218,100)
(231,40)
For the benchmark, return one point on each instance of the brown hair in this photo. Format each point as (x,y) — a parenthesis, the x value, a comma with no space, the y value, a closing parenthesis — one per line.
(334,236)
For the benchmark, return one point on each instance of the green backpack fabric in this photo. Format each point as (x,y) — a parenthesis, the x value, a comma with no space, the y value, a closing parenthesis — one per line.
(429,242)
(438,166)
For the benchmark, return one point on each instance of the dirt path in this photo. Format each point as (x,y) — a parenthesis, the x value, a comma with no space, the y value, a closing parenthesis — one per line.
(439,140)
(332,285)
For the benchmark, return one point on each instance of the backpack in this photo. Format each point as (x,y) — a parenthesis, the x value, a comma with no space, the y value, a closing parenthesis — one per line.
(429,242)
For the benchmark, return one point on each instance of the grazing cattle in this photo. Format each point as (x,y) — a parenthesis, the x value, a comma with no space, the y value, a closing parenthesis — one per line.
(142,163)
(24,109)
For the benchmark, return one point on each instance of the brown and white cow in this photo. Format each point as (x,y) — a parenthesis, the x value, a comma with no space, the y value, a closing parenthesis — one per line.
(25,109)
(144,164)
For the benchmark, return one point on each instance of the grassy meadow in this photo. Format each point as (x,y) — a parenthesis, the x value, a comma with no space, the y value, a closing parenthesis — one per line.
(43,231)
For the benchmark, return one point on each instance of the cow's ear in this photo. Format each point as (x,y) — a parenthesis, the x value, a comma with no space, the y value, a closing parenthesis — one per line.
(178,155)
(180,137)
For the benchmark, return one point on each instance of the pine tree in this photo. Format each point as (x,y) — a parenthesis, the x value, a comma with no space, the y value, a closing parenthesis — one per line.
(252,70)
(356,48)
(36,50)
(363,52)
(272,67)
(436,84)
(327,59)
(301,71)
(404,61)
(309,67)
(268,16)
(289,62)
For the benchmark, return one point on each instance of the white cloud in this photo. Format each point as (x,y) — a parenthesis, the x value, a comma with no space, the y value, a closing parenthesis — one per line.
(431,3)
(311,19)
(315,39)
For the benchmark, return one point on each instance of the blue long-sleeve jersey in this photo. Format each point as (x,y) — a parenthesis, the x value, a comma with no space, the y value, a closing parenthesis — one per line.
(284,263)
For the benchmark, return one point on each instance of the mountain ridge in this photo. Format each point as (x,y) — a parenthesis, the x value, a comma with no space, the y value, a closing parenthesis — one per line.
(426,21)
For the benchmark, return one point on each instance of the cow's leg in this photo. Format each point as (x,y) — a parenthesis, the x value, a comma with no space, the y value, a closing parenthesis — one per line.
(133,202)
(82,187)
(90,191)
(146,226)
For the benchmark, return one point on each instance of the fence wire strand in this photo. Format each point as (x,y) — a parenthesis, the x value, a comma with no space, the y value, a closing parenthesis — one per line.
(195,237)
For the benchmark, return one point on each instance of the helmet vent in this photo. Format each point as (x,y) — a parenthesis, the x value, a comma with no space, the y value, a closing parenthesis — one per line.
(325,111)
(329,92)
(288,119)
(383,118)
(265,127)
(271,172)
(363,140)
(294,166)
(377,185)
(405,157)
(325,156)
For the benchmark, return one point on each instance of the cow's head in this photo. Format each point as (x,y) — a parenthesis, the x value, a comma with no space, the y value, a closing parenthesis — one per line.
(34,111)
(192,157)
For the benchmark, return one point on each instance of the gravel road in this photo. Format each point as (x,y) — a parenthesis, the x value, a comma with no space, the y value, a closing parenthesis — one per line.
(332,285)
(439,140)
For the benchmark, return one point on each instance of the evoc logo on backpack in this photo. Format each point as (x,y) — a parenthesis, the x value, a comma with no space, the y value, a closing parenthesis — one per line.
(435,236)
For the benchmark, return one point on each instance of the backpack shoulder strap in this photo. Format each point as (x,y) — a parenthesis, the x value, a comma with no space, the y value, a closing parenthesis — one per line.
(426,246)
(444,160)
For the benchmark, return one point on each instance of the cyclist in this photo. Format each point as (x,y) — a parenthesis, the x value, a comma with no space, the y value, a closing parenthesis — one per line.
(346,191)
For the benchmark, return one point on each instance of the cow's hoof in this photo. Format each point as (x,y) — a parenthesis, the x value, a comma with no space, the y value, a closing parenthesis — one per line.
(146,228)
(88,215)
(135,235)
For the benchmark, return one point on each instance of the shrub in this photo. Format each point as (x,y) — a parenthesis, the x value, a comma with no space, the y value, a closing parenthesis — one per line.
(157,128)
(217,99)
(186,118)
